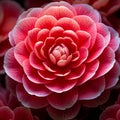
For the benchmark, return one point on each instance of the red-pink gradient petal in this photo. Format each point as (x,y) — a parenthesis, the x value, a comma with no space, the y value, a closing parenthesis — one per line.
(92,89)
(64,114)
(62,11)
(32,73)
(90,27)
(35,62)
(112,77)
(63,100)
(22,27)
(21,53)
(107,60)
(76,73)
(30,101)
(104,31)
(115,40)
(38,90)
(12,67)
(35,12)
(68,24)
(90,71)
(84,9)
(60,85)
(97,49)
(61,3)
(46,21)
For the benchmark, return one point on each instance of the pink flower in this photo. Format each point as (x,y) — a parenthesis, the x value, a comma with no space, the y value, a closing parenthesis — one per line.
(9,12)
(61,55)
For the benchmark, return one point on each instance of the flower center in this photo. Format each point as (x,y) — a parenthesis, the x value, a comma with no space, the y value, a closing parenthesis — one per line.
(60,55)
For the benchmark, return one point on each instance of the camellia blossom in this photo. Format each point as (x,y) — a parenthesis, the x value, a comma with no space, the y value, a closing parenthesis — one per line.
(9,12)
(62,54)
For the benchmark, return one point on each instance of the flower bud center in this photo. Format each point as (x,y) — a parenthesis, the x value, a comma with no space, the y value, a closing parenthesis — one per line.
(60,55)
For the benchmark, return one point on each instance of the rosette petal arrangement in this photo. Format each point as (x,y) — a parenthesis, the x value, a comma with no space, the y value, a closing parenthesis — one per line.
(62,54)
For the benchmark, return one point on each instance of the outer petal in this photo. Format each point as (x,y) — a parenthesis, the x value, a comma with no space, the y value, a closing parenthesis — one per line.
(29,100)
(32,73)
(63,114)
(60,85)
(92,89)
(12,67)
(84,9)
(90,27)
(115,40)
(62,11)
(107,60)
(112,76)
(21,29)
(58,4)
(64,100)
(21,53)
(35,89)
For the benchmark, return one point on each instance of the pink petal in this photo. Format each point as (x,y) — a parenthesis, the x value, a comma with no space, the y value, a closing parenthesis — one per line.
(64,100)
(35,62)
(12,67)
(90,27)
(76,73)
(115,40)
(37,50)
(46,75)
(21,29)
(107,60)
(34,12)
(62,11)
(97,49)
(38,90)
(67,114)
(73,36)
(90,71)
(68,24)
(104,31)
(30,100)
(62,72)
(92,89)
(6,113)
(43,34)
(56,32)
(32,73)
(112,76)
(60,85)
(47,45)
(84,9)
(22,113)
(21,53)
(83,56)
(58,4)
(84,38)
(32,38)
(46,22)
